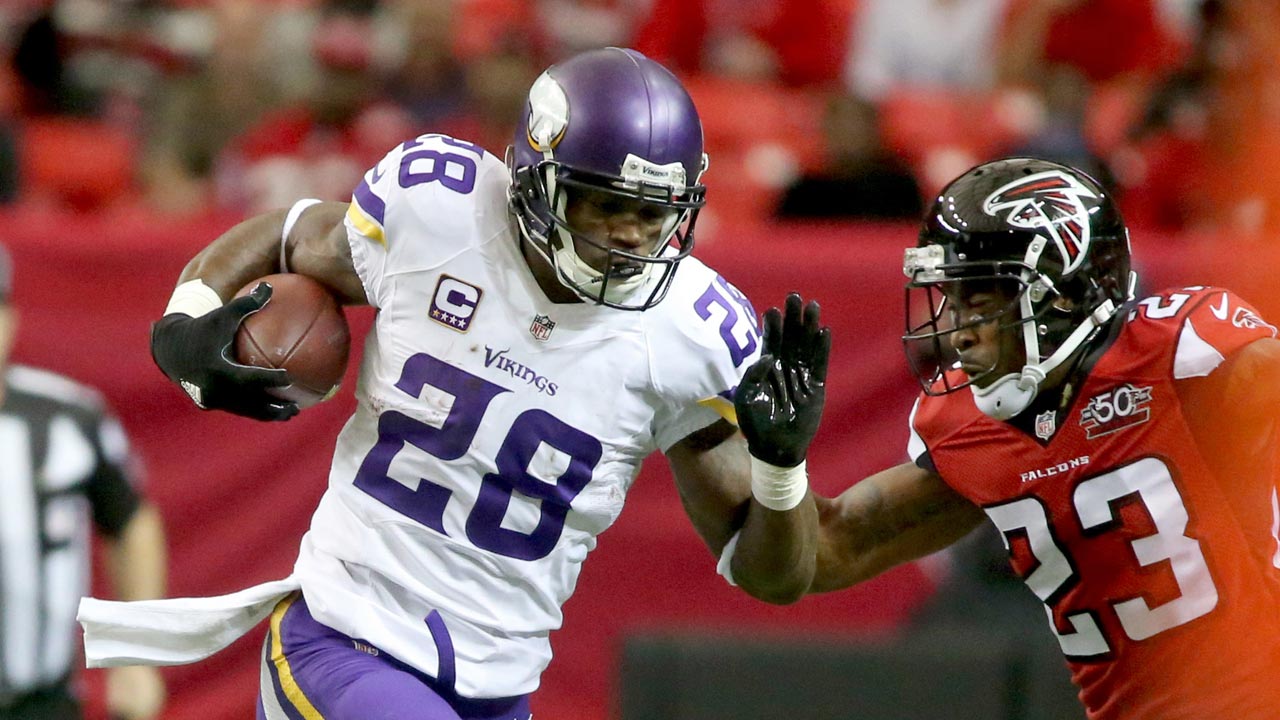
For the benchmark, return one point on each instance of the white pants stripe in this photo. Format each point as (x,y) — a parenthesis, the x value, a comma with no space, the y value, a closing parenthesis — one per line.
(266,688)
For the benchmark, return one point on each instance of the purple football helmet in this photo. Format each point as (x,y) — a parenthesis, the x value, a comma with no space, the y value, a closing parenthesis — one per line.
(608,121)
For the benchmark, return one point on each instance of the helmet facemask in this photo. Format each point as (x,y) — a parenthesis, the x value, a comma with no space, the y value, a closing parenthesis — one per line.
(541,196)
(604,133)
(1051,320)
(935,315)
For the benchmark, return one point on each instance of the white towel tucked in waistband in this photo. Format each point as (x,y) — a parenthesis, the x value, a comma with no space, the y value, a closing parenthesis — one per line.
(173,631)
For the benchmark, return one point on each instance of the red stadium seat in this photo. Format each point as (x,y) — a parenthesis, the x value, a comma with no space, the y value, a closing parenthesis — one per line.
(917,120)
(759,137)
(81,164)
(1112,110)
(738,114)
(942,133)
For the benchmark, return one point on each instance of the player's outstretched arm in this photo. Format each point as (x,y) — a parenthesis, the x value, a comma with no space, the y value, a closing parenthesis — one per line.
(191,343)
(779,405)
(762,496)
(773,556)
(895,516)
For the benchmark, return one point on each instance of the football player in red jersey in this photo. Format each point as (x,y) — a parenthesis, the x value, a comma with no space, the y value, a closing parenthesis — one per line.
(1125,448)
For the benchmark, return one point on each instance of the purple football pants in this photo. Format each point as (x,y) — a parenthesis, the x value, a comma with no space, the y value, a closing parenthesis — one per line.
(313,672)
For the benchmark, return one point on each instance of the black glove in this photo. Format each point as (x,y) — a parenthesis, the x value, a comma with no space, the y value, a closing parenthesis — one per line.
(780,399)
(196,354)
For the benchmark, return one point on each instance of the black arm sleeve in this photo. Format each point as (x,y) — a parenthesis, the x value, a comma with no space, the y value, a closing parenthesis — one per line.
(112,497)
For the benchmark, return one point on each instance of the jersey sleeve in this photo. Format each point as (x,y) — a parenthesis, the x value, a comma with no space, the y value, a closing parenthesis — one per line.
(1217,325)
(415,207)
(698,368)
(917,450)
(113,488)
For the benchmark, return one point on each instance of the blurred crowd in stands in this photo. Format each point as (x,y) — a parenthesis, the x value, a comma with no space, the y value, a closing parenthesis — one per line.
(812,108)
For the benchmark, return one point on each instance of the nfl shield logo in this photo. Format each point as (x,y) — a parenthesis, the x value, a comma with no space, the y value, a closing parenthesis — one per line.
(542,327)
(1046,423)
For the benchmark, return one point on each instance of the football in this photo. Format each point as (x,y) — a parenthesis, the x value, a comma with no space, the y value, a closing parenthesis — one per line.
(302,330)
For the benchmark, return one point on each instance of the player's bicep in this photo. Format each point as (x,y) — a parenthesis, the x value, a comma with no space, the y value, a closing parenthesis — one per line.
(1234,411)
(895,516)
(317,246)
(1244,385)
(713,477)
(1254,377)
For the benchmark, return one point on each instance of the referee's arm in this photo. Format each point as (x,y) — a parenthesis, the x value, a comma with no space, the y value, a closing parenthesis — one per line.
(137,561)
(136,564)
(129,526)
(137,568)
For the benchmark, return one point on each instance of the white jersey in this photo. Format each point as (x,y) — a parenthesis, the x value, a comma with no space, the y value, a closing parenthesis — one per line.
(497,432)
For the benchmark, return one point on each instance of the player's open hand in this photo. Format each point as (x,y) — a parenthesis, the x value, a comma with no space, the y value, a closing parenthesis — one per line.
(779,402)
(195,353)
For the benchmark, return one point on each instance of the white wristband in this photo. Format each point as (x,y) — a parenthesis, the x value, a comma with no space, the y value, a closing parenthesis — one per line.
(778,488)
(193,298)
(290,220)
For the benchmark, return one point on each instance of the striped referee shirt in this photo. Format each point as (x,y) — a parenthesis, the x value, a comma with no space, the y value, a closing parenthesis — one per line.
(64,460)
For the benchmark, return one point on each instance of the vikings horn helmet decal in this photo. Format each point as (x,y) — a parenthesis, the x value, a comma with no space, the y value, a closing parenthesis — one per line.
(548,114)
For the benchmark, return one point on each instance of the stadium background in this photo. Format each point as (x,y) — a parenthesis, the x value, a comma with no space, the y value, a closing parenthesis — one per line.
(98,244)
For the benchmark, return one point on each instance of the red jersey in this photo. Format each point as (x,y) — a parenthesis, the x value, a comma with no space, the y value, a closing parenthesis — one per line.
(1159,570)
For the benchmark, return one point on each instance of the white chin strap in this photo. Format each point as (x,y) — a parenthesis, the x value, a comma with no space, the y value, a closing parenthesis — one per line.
(1015,392)
(1009,395)
(573,268)
(569,268)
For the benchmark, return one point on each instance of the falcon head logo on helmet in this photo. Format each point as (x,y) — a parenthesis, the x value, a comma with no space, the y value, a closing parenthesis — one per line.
(1051,202)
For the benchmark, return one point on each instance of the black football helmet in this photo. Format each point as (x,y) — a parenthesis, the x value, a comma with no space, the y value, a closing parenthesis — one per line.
(1046,236)
(608,121)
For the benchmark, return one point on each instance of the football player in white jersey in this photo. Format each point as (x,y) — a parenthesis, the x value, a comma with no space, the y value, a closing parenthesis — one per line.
(541,329)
